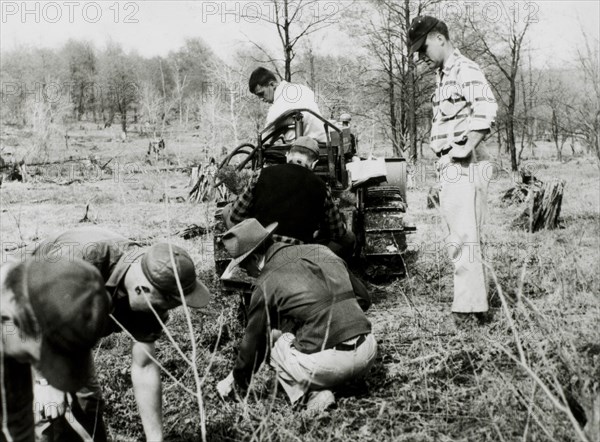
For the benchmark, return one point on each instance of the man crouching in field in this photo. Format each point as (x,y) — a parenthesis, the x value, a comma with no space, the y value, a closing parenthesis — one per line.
(53,313)
(143,288)
(305,310)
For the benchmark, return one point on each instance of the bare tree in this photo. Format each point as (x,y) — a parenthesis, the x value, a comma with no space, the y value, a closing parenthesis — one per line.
(403,83)
(180,76)
(588,107)
(295,20)
(120,83)
(82,68)
(530,91)
(509,32)
(558,101)
(231,81)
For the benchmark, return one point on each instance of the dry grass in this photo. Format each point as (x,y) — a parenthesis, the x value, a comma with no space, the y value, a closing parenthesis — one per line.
(524,376)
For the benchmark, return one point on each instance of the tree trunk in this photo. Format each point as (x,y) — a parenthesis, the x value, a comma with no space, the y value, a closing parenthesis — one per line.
(412,94)
(392,103)
(555,130)
(80,108)
(124,120)
(288,47)
(510,128)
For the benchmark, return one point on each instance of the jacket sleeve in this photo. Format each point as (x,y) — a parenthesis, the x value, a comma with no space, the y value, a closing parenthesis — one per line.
(253,347)
(362,294)
(242,206)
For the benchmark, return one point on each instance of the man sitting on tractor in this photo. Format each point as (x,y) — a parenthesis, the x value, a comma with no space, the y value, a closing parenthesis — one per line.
(292,195)
(285,96)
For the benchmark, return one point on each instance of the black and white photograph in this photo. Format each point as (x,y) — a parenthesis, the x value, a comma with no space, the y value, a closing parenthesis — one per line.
(300,221)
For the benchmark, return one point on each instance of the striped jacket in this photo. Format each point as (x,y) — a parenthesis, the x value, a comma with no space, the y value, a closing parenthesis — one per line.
(463,102)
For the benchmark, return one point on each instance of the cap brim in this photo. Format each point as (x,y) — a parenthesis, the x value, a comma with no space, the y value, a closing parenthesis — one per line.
(199,297)
(236,261)
(417,44)
(65,371)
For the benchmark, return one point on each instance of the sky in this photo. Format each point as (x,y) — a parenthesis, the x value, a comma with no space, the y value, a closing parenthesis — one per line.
(156,27)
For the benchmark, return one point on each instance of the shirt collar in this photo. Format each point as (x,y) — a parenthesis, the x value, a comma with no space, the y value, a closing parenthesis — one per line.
(306,166)
(121,268)
(279,89)
(276,247)
(449,64)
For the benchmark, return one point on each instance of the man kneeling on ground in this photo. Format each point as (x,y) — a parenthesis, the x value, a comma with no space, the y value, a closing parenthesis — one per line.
(305,309)
(143,288)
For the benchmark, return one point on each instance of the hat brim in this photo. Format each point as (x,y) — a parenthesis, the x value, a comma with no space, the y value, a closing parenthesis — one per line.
(65,371)
(199,297)
(236,261)
(419,41)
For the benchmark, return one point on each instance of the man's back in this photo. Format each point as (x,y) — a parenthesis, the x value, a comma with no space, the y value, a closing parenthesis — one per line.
(291,195)
(112,254)
(309,285)
(290,96)
(98,246)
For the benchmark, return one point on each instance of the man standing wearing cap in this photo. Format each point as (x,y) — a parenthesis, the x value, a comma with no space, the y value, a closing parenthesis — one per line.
(138,281)
(305,309)
(292,195)
(53,313)
(284,96)
(464,110)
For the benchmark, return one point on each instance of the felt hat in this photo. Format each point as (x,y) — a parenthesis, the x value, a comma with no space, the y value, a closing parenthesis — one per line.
(243,238)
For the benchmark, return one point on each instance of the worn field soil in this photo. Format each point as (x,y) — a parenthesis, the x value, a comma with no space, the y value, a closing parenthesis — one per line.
(531,373)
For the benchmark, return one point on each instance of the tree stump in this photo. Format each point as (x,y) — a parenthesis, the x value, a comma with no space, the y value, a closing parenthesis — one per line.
(543,208)
(433,197)
(519,193)
(202,182)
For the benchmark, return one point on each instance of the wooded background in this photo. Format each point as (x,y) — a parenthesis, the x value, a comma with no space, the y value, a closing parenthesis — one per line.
(388,94)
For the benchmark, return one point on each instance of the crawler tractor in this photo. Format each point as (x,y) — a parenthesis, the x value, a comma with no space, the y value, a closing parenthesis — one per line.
(374,210)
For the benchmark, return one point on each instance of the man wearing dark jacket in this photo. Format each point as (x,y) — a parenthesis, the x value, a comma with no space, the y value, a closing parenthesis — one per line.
(293,196)
(305,309)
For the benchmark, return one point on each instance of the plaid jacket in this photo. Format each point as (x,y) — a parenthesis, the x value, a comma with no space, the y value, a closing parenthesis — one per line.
(332,219)
(463,102)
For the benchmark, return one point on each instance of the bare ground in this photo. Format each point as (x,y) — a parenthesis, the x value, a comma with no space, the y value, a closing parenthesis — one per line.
(530,374)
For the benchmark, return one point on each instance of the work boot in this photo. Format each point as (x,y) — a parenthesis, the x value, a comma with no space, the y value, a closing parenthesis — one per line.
(319,401)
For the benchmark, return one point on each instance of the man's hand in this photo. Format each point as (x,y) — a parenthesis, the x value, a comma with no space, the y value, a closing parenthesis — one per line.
(49,403)
(461,149)
(225,387)
(464,147)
